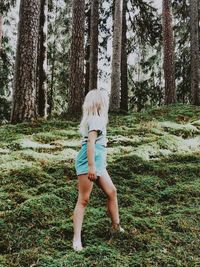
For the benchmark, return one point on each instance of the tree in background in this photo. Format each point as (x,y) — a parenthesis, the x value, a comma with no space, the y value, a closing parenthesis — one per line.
(116,58)
(181,29)
(144,44)
(195,58)
(52,55)
(124,67)
(42,61)
(87,48)
(1,29)
(76,89)
(24,106)
(58,56)
(4,79)
(6,61)
(94,42)
(169,70)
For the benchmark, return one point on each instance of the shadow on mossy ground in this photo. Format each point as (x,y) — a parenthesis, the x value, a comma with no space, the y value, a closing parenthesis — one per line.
(154,161)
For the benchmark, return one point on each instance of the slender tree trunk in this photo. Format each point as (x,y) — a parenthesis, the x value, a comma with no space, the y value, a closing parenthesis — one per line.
(94,34)
(87,56)
(195,58)
(76,90)
(42,61)
(1,29)
(169,69)
(23,106)
(124,69)
(53,57)
(52,86)
(116,58)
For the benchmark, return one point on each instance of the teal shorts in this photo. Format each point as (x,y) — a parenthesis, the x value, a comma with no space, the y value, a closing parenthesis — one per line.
(81,163)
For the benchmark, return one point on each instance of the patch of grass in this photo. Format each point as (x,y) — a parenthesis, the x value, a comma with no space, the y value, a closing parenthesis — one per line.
(154,162)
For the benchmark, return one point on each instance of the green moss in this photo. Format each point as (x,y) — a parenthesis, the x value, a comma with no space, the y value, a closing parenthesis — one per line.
(154,162)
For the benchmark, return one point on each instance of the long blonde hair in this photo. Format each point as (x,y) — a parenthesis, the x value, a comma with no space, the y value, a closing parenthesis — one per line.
(96,103)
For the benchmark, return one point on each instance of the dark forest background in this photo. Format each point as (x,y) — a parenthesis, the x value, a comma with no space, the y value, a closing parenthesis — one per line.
(158,56)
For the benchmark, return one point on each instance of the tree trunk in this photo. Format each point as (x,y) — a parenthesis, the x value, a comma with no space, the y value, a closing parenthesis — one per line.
(116,58)
(1,29)
(52,85)
(23,106)
(124,69)
(87,56)
(42,61)
(169,69)
(94,34)
(76,90)
(195,58)
(53,59)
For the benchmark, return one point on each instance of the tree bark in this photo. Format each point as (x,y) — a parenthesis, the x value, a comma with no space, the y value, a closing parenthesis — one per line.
(169,69)
(53,59)
(195,58)
(1,29)
(76,90)
(87,56)
(42,61)
(116,58)
(24,93)
(94,34)
(124,69)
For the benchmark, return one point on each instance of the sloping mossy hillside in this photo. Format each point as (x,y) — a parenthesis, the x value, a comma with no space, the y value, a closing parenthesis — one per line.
(154,161)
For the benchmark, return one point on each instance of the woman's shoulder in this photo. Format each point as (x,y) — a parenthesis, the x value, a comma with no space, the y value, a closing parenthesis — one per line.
(97,122)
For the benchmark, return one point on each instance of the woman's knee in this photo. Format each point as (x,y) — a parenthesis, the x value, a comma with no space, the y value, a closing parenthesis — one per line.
(112,192)
(83,201)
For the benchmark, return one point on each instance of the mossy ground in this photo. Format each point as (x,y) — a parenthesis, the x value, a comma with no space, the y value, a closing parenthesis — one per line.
(154,161)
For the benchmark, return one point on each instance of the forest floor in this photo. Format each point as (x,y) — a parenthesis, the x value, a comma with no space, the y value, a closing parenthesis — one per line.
(154,162)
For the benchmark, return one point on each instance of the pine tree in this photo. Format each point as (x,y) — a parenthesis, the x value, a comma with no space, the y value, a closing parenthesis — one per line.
(87,53)
(169,70)
(23,106)
(195,58)
(124,74)
(1,28)
(76,90)
(116,58)
(94,34)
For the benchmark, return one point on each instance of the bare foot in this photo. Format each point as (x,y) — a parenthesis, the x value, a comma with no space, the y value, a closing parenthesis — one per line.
(77,245)
(117,227)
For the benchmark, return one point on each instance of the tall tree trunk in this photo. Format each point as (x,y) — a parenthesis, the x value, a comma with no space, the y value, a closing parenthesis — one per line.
(53,58)
(124,69)
(76,89)
(23,106)
(42,61)
(169,69)
(94,34)
(195,58)
(1,29)
(52,85)
(87,56)
(116,58)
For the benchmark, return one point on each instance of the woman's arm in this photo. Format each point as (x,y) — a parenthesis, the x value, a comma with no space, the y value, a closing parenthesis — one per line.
(92,173)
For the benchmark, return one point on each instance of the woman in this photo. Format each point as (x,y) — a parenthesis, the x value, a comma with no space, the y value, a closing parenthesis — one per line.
(91,162)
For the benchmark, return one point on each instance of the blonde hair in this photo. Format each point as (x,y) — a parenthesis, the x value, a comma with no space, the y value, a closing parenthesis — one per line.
(96,103)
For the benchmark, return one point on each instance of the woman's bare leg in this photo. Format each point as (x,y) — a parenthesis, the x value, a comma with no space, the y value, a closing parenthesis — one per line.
(111,192)
(85,189)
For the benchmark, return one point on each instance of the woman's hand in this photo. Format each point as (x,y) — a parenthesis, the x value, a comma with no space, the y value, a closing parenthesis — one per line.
(92,173)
